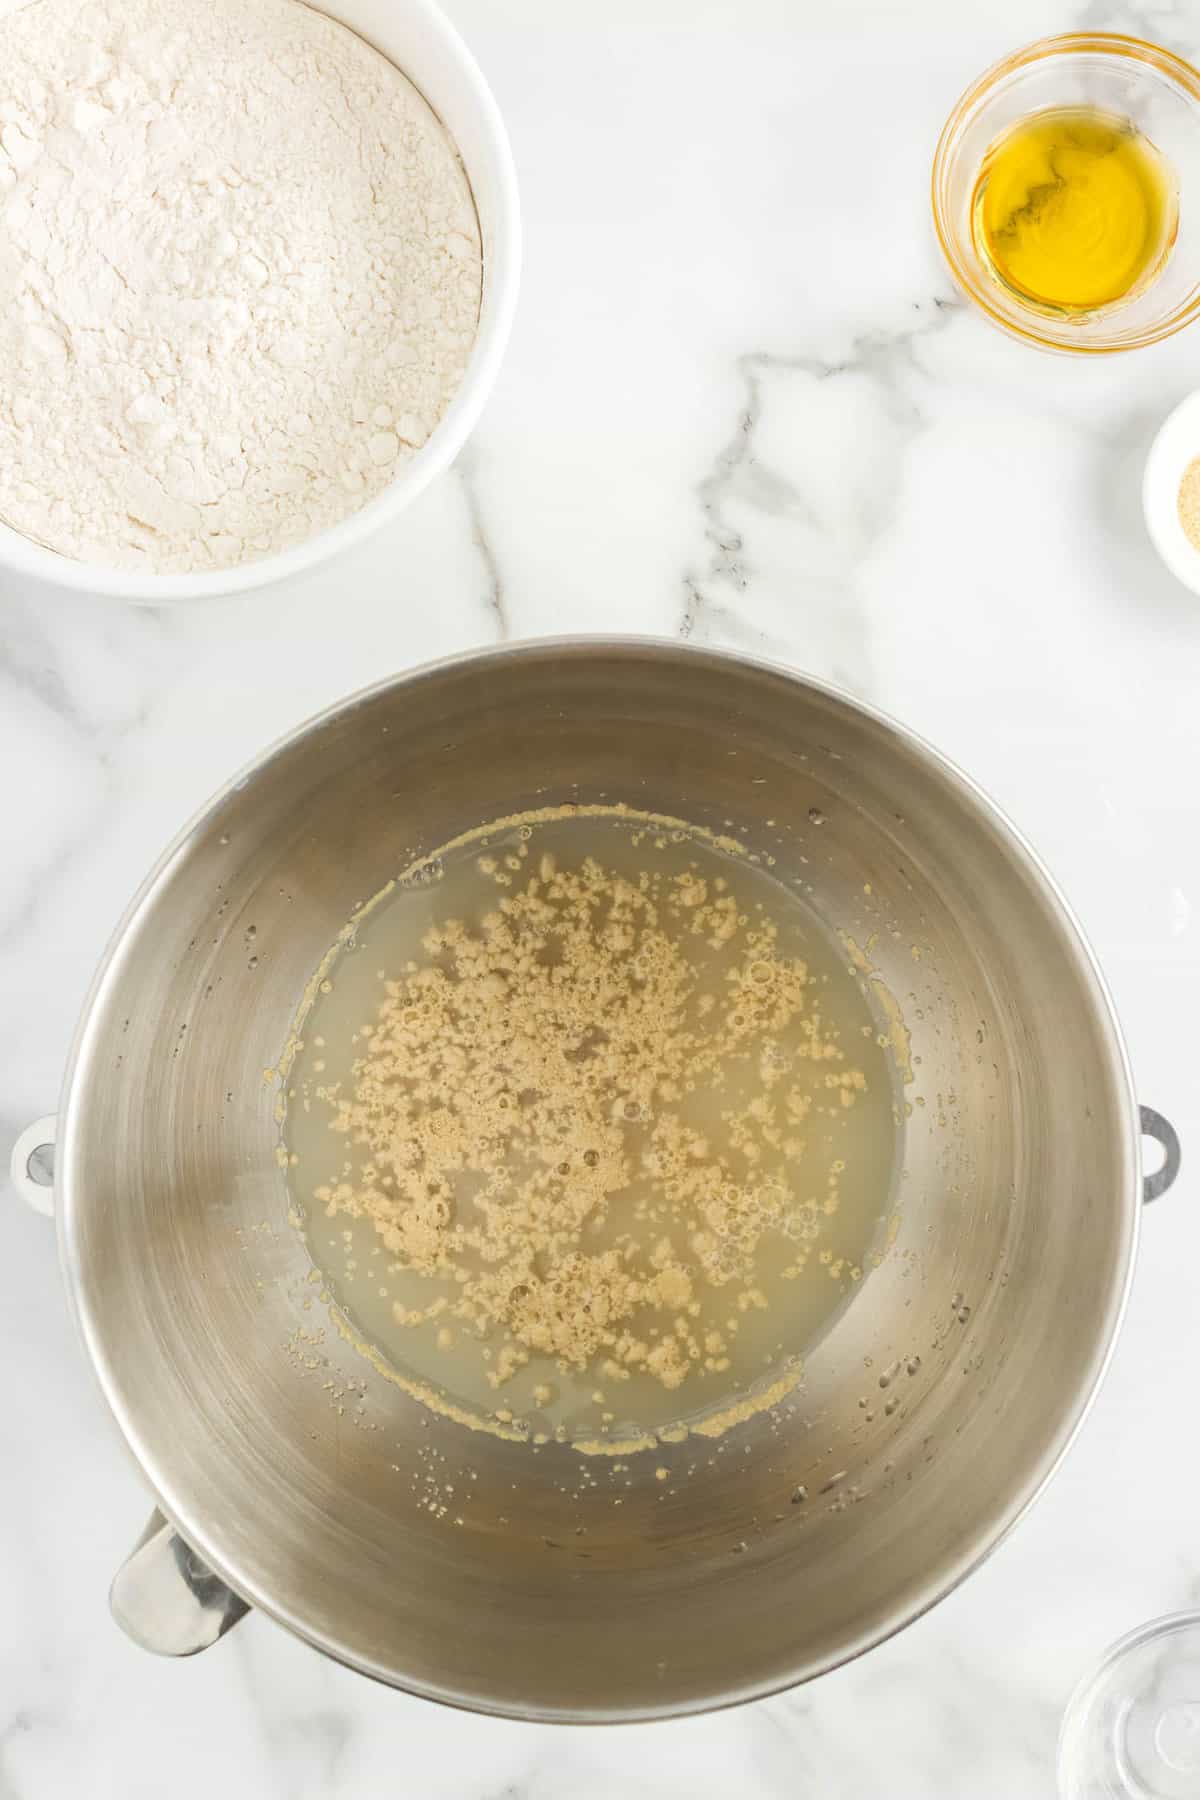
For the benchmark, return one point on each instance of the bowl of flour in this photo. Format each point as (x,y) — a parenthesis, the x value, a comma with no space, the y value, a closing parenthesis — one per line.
(258,268)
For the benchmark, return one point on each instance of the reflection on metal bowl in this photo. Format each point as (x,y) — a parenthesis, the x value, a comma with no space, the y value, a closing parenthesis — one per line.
(802,1539)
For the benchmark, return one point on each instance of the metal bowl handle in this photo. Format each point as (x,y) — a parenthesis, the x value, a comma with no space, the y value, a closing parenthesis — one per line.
(167,1600)
(162,1596)
(1164,1133)
(31,1166)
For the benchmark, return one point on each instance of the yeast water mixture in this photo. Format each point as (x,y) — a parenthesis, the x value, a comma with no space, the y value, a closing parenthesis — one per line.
(590,1127)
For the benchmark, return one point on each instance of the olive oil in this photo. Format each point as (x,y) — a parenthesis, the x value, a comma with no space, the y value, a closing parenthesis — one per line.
(1074,210)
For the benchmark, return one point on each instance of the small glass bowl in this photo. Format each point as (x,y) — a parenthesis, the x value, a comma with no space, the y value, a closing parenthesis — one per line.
(1132,1728)
(1161,94)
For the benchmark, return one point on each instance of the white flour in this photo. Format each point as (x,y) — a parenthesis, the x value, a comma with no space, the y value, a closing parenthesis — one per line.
(240,276)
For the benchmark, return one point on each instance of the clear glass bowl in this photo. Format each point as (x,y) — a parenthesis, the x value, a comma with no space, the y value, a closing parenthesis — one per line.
(1161,94)
(1132,1728)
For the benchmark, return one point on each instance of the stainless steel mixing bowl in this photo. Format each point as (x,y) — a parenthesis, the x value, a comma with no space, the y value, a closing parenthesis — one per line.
(931,1413)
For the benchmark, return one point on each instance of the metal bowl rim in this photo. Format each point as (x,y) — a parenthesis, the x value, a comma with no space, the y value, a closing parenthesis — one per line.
(70,1183)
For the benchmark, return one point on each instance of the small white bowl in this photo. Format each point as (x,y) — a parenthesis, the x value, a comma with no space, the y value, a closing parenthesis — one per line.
(419,39)
(1176,444)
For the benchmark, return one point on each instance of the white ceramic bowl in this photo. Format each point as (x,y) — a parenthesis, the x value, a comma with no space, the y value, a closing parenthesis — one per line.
(419,39)
(1176,445)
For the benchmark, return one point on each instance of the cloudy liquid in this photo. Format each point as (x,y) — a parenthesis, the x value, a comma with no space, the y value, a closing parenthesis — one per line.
(828,1191)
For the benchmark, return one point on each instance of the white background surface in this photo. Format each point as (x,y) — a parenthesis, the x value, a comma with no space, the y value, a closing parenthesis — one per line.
(742,404)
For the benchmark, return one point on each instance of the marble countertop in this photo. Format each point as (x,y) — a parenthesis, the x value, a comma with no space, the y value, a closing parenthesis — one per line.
(743,405)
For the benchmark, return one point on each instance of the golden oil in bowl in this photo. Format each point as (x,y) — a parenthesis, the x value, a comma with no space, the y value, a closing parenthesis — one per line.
(1074,210)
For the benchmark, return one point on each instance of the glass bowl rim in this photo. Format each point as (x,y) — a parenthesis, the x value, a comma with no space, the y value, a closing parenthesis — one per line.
(1067,43)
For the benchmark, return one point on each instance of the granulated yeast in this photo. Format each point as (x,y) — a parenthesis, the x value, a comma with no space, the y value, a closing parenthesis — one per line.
(596,1129)
(240,276)
(1189,502)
